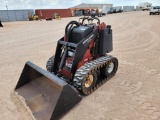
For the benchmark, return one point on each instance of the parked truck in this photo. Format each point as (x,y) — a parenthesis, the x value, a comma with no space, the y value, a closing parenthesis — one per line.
(155,10)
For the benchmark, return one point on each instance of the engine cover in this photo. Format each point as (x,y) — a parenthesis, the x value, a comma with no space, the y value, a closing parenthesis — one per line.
(79,33)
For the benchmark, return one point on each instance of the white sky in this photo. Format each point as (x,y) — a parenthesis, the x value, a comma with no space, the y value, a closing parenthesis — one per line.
(41,4)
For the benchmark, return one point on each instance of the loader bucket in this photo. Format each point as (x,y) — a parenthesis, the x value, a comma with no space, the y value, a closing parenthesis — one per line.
(47,96)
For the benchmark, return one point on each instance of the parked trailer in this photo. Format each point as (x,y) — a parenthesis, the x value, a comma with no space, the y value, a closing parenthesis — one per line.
(106,9)
(128,8)
(48,13)
(138,8)
(118,9)
(145,6)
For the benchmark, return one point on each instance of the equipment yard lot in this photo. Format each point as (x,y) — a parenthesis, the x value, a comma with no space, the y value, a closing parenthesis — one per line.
(134,92)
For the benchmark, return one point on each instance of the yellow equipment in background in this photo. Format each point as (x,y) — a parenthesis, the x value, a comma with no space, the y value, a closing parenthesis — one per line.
(56,16)
(32,17)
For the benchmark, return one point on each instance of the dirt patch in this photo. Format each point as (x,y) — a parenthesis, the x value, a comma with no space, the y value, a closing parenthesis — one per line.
(133,94)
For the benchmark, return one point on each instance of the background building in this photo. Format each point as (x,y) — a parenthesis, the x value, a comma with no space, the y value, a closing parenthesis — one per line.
(128,8)
(14,15)
(22,15)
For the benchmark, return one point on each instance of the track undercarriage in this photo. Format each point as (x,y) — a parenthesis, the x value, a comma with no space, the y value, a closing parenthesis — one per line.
(101,69)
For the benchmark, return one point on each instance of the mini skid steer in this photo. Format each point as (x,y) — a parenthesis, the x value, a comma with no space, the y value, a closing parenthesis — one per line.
(80,66)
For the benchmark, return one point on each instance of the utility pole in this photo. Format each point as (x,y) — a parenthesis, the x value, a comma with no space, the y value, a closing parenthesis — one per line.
(7,13)
(7,7)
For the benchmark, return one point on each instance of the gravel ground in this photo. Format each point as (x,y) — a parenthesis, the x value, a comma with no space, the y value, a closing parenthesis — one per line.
(133,94)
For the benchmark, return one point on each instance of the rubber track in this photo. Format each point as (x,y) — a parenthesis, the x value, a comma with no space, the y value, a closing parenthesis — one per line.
(83,72)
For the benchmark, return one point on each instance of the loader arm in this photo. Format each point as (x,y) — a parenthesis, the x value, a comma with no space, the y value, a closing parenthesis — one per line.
(80,50)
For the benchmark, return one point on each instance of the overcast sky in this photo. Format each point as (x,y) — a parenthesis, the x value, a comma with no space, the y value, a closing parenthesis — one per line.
(42,4)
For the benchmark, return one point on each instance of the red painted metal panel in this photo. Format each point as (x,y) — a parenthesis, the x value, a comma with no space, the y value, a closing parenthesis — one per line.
(43,13)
